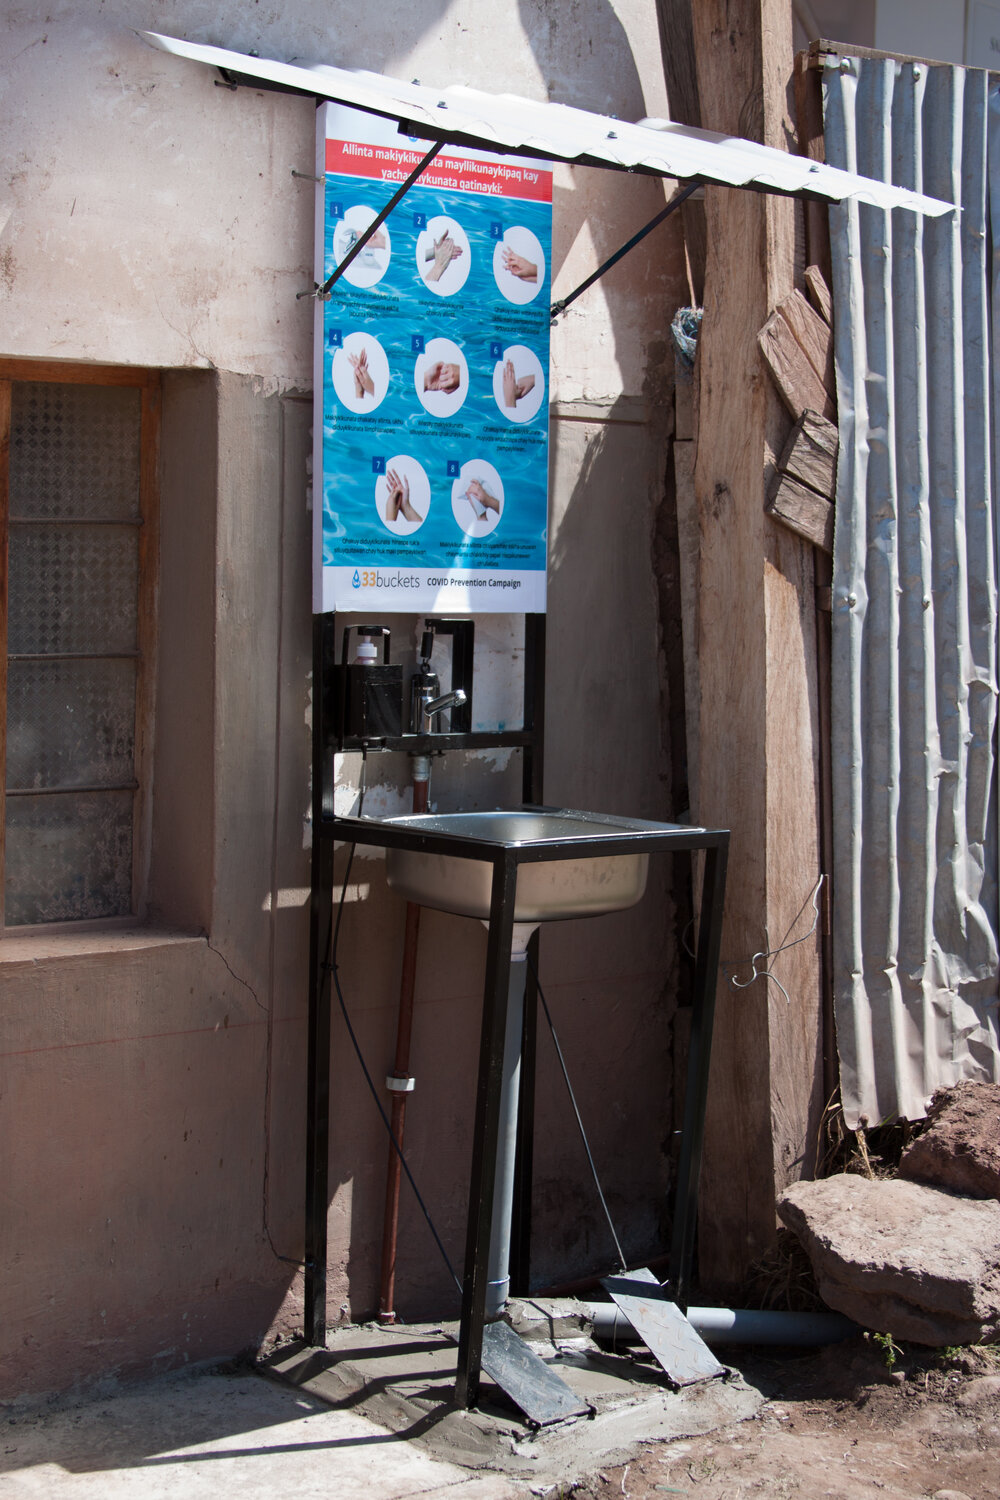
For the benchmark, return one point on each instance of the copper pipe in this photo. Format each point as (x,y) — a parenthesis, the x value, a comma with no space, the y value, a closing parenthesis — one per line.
(401,1069)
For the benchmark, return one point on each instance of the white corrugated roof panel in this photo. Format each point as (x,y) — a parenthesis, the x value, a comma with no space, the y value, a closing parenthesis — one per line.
(503,122)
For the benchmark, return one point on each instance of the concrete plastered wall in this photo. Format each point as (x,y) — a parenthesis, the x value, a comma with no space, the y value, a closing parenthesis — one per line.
(152,1131)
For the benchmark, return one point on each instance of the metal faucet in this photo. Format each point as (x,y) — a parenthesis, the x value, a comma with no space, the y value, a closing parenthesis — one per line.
(454,699)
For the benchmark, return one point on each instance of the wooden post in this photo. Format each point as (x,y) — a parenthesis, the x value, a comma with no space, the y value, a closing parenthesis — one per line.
(677,49)
(758,740)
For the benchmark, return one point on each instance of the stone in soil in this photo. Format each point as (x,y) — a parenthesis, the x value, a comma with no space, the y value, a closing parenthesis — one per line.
(901,1257)
(960,1148)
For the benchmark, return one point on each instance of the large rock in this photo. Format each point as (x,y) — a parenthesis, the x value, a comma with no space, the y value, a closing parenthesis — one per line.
(901,1257)
(960,1148)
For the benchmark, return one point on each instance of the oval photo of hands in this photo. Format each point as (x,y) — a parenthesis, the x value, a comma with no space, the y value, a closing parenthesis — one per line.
(369,265)
(518,383)
(441,378)
(403,495)
(360,373)
(477,498)
(519,264)
(443,256)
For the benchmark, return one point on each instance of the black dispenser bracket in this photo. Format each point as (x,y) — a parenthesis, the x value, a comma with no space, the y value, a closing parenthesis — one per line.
(367,699)
(342,730)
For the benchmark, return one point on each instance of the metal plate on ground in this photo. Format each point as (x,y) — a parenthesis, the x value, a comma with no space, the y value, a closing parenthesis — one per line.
(527,1380)
(668,1335)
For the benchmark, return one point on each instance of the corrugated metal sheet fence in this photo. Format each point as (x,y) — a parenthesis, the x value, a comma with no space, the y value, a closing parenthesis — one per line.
(914,590)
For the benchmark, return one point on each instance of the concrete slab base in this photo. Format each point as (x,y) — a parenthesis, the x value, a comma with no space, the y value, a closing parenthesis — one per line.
(370,1418)
(403,1377)
(201,1435)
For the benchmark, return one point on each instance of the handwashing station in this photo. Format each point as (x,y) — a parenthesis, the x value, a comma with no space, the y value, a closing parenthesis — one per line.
(432,314)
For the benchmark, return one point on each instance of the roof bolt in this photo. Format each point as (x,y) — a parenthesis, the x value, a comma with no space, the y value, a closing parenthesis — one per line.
(852,600)
(612,135)
(845,64)
(442,104)
(926,602)
(917,70)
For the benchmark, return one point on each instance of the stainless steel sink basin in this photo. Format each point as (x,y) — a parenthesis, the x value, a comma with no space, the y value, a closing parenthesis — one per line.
(547,891)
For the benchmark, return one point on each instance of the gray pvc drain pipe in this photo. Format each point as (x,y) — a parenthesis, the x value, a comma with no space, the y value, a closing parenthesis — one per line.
(498,1264)
(727,1325)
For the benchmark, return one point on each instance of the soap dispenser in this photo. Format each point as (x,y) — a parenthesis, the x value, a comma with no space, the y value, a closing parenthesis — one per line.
(369,692)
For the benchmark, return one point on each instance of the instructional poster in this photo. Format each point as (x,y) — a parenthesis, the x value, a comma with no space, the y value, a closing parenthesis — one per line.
(432,371)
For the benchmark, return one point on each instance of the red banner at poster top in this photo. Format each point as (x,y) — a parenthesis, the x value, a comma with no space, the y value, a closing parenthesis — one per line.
(491,177)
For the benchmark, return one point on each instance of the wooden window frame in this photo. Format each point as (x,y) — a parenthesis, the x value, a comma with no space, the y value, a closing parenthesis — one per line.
(147,382)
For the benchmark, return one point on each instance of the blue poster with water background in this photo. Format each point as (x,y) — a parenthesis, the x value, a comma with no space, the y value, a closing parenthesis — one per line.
(432,370)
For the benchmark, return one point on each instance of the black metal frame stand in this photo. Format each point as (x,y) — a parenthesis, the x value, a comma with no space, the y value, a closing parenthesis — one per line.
(505,859)
(610,837)
(529,739)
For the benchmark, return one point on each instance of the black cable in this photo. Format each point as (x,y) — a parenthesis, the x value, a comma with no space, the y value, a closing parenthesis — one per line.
(330,965)
(576,1111)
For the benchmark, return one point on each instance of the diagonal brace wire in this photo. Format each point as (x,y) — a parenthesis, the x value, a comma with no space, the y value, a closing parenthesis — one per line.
(576,1111)
(322,293)
(675,202)
(330,966)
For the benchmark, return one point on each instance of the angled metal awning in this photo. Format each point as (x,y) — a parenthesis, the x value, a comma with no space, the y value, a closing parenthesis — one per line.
(512,126)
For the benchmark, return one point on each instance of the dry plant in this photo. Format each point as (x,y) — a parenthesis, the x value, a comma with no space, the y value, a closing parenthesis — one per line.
(871,1151)
(782,1279)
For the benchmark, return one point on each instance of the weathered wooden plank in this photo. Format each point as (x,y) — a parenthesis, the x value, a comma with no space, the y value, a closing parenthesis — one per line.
(685,414)
(5,404)
(145,692)
(688,544)
(681,74)
(810,143)
(756,642)
(819,294)
(802,511)
(810,455)
(57,370)
(799,386)
(814,338)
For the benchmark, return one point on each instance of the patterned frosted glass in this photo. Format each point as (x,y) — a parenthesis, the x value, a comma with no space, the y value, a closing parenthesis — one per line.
(68,858)
(74,451)
(73,589)
(70,723)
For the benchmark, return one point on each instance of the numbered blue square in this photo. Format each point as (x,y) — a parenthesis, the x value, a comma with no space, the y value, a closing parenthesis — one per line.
(378,465)
(496,231)
(335,338)
(496,349)
(454,468)
(416,343)
(420,221)
(336,210)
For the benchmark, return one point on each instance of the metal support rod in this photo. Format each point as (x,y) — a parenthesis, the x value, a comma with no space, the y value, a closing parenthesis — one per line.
(675,202)
(487,1127)
(498,1284)
(323,292)
(524,1159)
(699,1058)
(401,1069)
(531,791)
(318,1058)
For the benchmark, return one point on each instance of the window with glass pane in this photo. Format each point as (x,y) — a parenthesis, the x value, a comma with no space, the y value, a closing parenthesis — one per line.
(76,646)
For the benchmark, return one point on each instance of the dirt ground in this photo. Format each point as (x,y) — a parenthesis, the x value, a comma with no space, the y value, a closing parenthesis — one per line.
(838,1423)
